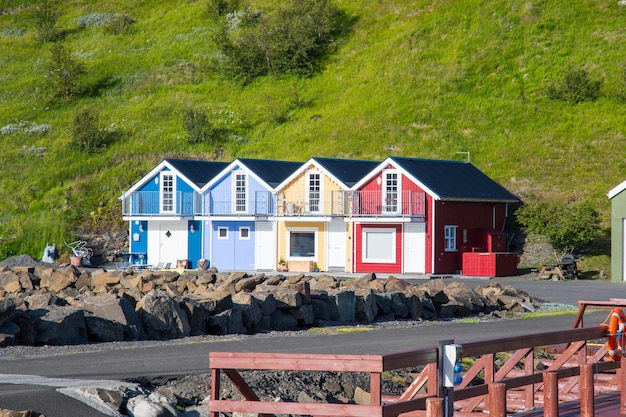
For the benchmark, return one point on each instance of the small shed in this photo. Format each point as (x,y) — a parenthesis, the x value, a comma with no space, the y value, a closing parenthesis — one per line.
(618,232)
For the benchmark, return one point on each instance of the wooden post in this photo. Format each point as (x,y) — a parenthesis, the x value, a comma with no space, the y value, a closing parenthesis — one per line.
(434,407)
(550,394)
(622,385)
(215,388)
(497,399)
(586,390)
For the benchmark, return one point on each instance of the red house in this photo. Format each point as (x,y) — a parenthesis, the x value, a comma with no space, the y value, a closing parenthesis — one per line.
(428,216)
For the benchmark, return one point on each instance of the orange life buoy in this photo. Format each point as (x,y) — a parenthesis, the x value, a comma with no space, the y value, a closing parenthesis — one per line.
(615,334)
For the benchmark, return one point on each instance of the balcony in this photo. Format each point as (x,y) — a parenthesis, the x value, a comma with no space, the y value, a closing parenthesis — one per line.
(259,203)
(353,204)
(402,204)
(148,203)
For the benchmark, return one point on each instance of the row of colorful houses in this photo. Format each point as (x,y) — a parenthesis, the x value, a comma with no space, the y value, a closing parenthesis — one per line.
(401,215)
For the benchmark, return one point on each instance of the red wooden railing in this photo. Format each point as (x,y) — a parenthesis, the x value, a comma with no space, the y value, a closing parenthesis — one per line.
(510,383)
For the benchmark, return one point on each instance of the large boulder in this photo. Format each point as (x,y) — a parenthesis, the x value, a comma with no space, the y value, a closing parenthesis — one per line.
(162,317)
(115,309)
(60,325)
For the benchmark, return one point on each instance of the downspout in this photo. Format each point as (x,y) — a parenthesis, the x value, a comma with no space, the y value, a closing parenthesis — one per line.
(433,239)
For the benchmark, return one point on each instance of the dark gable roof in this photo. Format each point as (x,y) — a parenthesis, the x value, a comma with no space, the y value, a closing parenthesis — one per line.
(198,172)
(455,180)
(347,171)
(272,172)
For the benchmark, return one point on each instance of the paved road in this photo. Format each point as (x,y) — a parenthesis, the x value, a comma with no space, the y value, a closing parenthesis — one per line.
(120,361)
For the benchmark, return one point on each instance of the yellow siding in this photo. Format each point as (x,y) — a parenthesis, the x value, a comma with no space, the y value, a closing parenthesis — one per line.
(321,240)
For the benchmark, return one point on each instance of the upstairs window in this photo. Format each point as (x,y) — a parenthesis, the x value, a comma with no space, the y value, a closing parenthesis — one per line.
(449,238)
(391,189)
(314,194)
(167,193)
(241,193)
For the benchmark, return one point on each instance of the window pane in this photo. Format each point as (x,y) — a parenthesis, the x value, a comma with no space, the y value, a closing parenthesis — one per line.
(222,233)
(379,245)
(167,188)
(315,188)
(244,233)
(240,193)
(302,244)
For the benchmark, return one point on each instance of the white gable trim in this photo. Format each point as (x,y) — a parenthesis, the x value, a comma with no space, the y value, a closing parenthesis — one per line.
(615,191)
(155,171)
(307,166)
(384,165)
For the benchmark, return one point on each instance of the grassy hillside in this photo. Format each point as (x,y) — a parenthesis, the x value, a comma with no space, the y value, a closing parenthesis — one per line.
(422,79)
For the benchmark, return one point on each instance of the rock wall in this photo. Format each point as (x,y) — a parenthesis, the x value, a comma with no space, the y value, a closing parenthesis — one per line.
(46,304)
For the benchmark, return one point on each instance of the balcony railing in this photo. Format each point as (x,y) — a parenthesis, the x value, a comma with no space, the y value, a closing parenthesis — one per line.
(353,204)
(149,203)
(259,203)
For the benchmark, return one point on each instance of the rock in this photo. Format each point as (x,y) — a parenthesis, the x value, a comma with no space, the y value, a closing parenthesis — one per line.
(162,317)
(24,413)
(227,322)
(7,309)
(345,303)
(304,315)
(115,309)
(283,321)
(287,298)
(60,279)
(323,282)
(8,334)
(366,308)
(60,325)
(8,279)
(251,313)
(361,396)
(153,405)
(250,283)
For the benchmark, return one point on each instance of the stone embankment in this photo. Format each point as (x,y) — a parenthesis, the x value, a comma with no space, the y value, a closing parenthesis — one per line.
(45,304)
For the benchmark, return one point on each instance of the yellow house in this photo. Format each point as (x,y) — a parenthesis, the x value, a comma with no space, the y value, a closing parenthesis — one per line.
(313,206)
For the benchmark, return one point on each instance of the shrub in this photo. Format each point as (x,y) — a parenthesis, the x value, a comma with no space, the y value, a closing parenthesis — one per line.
(292,39)
(46,18)
(112,23)
(63,74)
(567,227)
(575,87)
(87,134)
(217,8)
(199,128)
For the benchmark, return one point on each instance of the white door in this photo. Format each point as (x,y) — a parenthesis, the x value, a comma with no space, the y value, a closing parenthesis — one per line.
(623,249)
(336,246)
(265,247)
(414,254)
(172,242)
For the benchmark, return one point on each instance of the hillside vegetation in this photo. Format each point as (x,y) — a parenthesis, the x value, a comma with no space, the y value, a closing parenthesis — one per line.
(422,78)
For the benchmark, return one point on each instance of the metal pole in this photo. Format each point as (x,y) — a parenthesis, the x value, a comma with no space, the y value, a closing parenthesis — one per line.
(622,384)
(586,390)
(497,399)
(550,394)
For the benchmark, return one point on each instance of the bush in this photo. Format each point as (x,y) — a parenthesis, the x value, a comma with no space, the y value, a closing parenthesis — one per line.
(112,23)
(567,227)
(575,87)
(292,39)
(87,134)
(199,128)
(46,18)
(63,74)
(217,8)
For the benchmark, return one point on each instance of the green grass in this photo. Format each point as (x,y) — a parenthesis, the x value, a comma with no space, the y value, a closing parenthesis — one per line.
(420,79)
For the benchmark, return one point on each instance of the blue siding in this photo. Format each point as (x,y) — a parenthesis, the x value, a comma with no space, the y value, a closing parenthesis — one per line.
(234,252)
(194,241)
(141,245)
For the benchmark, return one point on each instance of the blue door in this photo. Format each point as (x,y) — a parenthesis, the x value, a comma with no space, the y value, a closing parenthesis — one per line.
(233,245)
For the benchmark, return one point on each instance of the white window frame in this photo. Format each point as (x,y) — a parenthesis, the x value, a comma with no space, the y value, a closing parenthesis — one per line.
(167,179)
(241,229)
(237,207)
(309,192)
(219,234)
(397,204)
(450,238)
(365,231)
(315,232)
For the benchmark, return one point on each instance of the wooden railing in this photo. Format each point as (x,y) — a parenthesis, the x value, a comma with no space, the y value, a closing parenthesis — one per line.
(517,374)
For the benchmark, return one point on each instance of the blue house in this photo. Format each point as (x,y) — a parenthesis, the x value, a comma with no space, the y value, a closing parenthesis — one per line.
(239,227)
(163,208)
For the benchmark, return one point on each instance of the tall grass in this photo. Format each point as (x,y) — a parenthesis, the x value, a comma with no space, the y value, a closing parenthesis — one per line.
(424,79)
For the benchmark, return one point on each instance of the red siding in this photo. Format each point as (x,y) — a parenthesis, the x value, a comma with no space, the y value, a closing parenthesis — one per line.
(470,216)
(395,268)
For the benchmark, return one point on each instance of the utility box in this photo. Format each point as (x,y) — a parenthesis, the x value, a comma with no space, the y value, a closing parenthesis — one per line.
(492,240)
(452,366)
(487,264)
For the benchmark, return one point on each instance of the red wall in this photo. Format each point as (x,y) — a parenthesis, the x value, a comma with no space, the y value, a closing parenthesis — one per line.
(465,215)
(395,268)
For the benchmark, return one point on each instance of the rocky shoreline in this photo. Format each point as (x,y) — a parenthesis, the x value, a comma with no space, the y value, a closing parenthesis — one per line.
(63,307)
